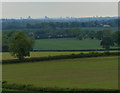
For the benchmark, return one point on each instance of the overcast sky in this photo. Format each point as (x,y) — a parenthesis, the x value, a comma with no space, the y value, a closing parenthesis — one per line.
(58,9)
(60,0)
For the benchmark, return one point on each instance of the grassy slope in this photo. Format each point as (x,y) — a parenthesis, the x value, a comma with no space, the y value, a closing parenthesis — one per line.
(100,72)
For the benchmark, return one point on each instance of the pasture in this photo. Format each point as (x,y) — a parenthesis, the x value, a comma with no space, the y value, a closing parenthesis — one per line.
(96,73)
(67,44)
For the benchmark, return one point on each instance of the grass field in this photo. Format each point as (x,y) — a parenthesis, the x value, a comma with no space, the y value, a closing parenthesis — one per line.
(99,72)
(66,44)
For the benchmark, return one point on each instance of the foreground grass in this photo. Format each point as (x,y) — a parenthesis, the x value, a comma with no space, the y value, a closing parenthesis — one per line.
(16,91)
(94,73)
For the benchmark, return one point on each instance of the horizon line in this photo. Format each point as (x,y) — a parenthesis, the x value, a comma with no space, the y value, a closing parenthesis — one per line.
(30,17)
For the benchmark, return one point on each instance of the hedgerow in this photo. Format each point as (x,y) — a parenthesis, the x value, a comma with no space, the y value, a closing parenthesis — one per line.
(33,89)
(70,56)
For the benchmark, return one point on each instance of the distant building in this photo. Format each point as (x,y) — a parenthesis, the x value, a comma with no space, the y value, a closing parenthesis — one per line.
(46,17)
(106,26)
(29,17)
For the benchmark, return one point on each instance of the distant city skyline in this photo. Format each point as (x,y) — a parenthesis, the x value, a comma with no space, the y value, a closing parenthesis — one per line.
(58,9)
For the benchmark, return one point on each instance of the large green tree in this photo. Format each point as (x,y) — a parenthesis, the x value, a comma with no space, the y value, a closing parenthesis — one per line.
(99,35)
(107,32)
(91,34)
(6,39)
(107,42)
(116,37)
(21,45)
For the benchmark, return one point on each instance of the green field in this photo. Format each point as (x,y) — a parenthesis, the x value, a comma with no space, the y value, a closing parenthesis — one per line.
(66,44)
(99,72)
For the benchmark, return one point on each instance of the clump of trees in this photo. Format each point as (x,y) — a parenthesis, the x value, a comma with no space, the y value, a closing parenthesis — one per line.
(107,37)
(92,34)
(107,42)
(116,38)
(110,39)
(6,39)
(21,45)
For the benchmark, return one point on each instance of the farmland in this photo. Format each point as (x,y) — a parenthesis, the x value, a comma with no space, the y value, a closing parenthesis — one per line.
(100,72)
(82,73)
(66,44)
(66,54)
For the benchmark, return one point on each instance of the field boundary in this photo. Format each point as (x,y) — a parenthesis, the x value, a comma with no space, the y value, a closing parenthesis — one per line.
(70,56)
(30,88)
(73,50)
(117,49)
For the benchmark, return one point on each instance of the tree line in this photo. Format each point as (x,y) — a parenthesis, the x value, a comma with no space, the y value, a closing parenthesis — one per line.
(41,24)
(106,34)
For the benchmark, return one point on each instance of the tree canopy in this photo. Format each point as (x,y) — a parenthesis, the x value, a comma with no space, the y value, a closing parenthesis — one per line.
(21,45)
(116,37)
(107,42)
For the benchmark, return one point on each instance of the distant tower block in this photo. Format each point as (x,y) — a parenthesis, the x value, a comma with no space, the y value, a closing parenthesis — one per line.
(46,17)
(29,17)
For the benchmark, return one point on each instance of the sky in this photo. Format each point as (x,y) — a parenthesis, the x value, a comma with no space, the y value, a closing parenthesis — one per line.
(58,9)
(60,0)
